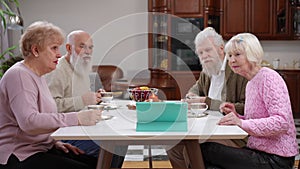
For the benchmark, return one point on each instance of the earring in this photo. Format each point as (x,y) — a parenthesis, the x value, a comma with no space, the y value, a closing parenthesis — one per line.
(36,55)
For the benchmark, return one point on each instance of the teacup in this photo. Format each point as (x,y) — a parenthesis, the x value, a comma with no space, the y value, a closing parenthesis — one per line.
(198,108)
(106,97)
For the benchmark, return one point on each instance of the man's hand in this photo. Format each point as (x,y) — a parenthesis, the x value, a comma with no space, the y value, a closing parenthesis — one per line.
(190,95)
(193,98)
(100,90)
(91,98)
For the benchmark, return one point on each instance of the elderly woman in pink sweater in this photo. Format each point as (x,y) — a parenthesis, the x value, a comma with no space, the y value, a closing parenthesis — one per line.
(28,113)
(268,117)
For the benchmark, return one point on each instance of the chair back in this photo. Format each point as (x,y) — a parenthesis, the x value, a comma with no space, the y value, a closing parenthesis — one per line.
(108,74)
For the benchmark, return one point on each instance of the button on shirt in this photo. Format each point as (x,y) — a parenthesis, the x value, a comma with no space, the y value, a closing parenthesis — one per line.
(217,84)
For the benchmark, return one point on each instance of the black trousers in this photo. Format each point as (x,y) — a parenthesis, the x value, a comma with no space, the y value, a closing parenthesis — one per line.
(52,159)
(92,148)
(218,156)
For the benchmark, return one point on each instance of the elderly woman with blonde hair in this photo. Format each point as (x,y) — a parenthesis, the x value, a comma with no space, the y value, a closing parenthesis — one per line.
(28,113)
(267,118)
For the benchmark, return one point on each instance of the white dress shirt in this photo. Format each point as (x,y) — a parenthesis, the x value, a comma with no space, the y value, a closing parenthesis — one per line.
(217,83)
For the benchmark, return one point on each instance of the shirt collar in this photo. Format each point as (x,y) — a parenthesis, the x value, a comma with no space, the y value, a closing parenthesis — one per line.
(223,65)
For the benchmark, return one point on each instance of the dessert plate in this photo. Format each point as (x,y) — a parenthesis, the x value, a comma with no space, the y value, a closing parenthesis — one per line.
(106,117)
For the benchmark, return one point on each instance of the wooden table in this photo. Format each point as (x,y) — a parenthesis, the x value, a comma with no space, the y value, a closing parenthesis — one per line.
(120,130)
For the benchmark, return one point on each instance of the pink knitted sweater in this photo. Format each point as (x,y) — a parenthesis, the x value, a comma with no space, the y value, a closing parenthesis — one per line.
(268,116)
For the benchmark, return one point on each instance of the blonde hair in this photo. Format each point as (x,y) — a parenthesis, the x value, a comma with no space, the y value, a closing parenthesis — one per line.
(247,43)
(39,33)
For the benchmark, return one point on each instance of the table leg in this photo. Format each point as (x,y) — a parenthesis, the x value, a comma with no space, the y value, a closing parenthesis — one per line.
(150,156)
(194,153)
(104,159)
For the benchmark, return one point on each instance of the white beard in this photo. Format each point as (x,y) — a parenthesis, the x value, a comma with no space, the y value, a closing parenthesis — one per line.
(80,79)
(213,67)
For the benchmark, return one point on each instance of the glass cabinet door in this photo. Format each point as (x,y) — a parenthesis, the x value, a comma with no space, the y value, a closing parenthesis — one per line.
(295,18)
(184,31)
(160,40)
(296,22)
(282,16)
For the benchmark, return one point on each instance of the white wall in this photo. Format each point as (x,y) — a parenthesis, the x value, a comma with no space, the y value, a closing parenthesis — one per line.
(119,30)
(118,27)
(285,51)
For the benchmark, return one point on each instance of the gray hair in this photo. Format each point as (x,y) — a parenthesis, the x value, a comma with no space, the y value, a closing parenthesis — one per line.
(248,43)
(209,32)
(71,36)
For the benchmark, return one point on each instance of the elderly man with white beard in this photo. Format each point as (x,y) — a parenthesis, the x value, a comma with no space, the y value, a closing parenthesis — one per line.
(70,85)
(217,84)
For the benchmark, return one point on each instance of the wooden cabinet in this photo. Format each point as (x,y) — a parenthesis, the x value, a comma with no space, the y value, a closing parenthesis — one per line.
(267,19)
(261,17)
(253,16)
(187,8)
(159,5)
(292,79)
(235,21)
(173,25)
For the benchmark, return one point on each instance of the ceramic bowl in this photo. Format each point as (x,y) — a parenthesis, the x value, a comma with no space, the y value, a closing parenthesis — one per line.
(141,95)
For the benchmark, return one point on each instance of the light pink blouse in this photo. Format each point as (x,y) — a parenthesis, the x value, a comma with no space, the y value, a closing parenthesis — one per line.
(268,115)
(28,114)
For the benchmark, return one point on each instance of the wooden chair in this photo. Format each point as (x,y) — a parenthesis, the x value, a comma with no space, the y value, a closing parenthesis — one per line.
(298,164)
(108,74)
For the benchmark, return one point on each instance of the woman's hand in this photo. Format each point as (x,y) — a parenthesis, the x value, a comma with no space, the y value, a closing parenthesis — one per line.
(89,117)
(66,147)
(227,108)
(230,119)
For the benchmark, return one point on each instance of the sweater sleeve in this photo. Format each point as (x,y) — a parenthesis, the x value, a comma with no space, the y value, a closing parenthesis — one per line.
(274,106)
(59,85)
(34,108)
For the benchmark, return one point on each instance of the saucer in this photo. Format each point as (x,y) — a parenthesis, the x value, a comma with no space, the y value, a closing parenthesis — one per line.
(104,104)
(109,106)
(106,117)
(190,115)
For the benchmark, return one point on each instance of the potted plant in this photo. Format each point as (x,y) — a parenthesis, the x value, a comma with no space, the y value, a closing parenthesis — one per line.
(6,12)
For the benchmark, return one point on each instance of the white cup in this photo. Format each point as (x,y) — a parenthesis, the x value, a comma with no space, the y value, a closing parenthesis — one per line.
(198,108)
(106,97)
(276,63)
